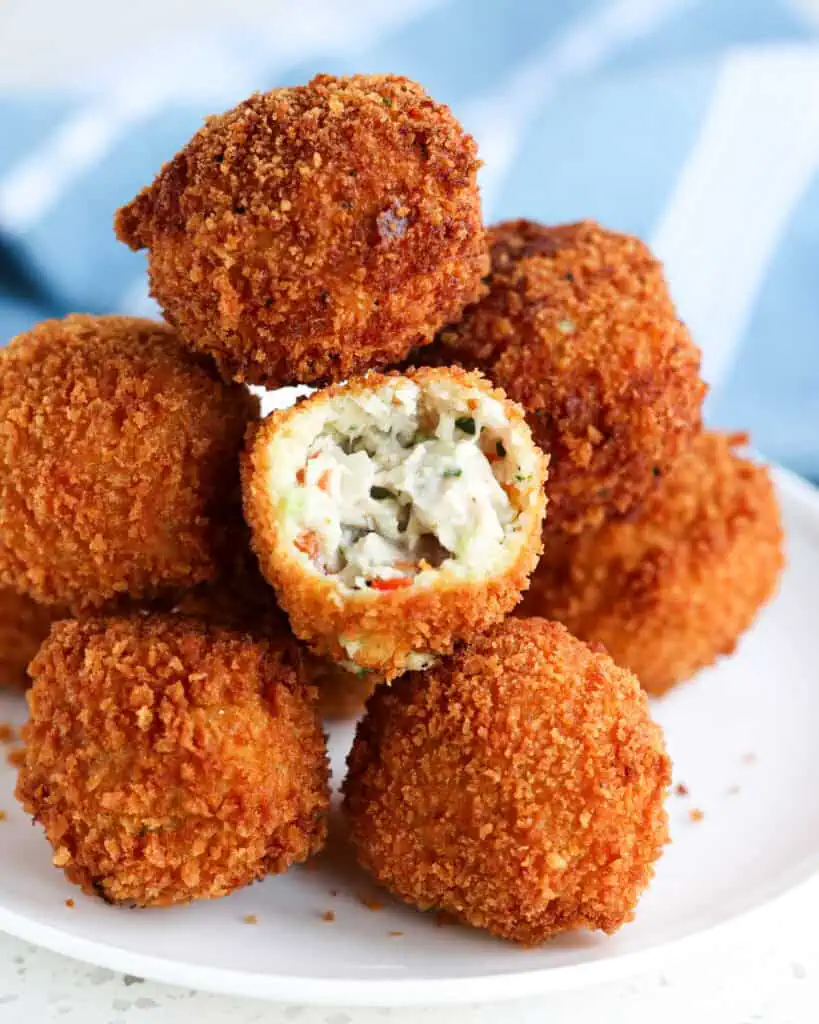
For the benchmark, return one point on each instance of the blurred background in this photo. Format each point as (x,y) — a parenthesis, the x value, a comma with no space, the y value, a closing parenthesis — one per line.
(692,123)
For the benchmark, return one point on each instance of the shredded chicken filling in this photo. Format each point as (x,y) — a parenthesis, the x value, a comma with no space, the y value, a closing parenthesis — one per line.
(401,481)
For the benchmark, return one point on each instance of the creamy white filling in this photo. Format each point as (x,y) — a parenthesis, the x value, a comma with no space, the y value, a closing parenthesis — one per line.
(404,480)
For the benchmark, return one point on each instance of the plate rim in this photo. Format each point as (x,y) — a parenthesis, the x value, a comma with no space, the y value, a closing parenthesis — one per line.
(503,986)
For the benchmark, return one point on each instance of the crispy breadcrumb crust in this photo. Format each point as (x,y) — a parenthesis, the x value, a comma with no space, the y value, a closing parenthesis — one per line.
(245,600)
(394,623)
(169,761)
(118,461)
(24,624)
(578,327)
(240,598)
(671,590)
(518,786)
(314,232)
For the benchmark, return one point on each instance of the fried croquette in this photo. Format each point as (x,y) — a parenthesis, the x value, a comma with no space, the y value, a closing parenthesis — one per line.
(341,693)
(518,786)
(671,590)
(395,515)
(170,761)
(244,600)
(315,232)
(578,326)
(24,624)
(240,598)
(118,461)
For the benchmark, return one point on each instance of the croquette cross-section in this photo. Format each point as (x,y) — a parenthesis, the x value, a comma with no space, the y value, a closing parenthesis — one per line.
(396,515)
(673,588)
(518,786)
(168,761)
(315,232)
(118,461)
(578,326)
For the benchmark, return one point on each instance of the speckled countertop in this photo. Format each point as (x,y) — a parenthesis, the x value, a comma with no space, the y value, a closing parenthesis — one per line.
(763,971)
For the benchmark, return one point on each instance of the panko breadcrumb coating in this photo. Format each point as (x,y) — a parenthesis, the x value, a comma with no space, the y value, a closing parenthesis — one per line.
(671,590)
(578,327)
(240,598)
(24,624)
(395,515)
(118,461)
(518,786)
(244,600)
(169,761)
(314,232)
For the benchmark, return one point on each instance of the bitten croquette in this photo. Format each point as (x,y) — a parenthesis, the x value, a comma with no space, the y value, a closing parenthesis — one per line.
(24,624)
(396,515)
(674,588)
(518,786)
(118,461)
(578,326)
(170,761)
(314,232)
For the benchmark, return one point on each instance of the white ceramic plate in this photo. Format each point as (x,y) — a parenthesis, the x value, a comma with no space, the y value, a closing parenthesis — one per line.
(743,739)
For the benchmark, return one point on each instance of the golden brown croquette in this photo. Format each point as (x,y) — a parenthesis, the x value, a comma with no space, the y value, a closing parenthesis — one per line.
(341,693)
(314,232)
(240,598)
(118,461)
(395,515)
(518,786)
(672,589)
(578,327)
(170,761)
(24,624)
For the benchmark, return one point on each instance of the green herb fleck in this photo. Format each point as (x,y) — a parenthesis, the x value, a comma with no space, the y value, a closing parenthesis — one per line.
(380,493)
(420,438)
(451,473)
(386,101)
(522,477)
(565,326)
(499,448)
(466,424)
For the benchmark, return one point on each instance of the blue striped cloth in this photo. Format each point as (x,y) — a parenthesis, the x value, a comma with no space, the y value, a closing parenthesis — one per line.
(692,123)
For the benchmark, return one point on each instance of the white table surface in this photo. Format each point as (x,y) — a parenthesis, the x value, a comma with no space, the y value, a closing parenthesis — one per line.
(763,972)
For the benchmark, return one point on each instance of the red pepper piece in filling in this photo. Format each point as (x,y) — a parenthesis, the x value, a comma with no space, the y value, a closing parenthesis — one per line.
(399,583)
